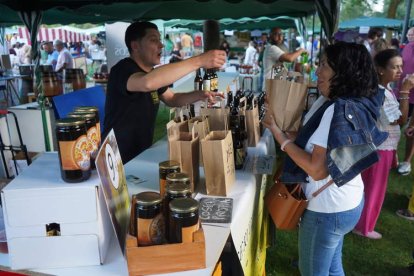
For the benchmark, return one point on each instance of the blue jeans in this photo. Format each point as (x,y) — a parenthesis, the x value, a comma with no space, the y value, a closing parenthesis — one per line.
(321,237)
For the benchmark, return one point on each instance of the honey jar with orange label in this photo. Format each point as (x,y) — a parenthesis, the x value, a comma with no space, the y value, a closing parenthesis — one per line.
(91,133)
(165,168)
(74,156)
(184,220)
(148,219)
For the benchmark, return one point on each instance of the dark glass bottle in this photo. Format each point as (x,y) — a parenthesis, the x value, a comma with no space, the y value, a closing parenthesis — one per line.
(206,80)
(238,148)
(214,78)
(198,81)
(229,98)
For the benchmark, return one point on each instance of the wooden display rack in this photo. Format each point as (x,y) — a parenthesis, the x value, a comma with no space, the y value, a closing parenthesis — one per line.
(166,257)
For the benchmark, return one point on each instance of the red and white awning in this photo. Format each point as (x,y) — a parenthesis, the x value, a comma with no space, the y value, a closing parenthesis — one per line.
(51,34)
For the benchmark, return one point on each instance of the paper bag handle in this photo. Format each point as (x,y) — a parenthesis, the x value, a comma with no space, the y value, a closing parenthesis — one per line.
(251,83)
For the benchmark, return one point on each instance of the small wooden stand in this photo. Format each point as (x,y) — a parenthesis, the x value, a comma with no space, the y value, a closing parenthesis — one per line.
(166,257)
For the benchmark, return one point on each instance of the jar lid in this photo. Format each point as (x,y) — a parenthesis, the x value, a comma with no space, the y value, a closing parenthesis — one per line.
(86,115)
(70,122)
(184,205)
(148,198)
(177,188)
(180,177)
(84,112)
(169,164)
(86,108)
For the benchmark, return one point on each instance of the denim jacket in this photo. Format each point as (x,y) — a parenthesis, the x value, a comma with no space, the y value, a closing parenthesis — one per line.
(352,141)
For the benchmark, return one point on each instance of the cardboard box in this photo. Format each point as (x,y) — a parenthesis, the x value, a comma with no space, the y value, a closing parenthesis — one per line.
(38,197)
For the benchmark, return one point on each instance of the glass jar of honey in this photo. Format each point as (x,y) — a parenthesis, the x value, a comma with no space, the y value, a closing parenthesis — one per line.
(91,133)
(74,156)
(179,177)
(173,190)
(95,110)
(165,168)
(184,220)
(148,218)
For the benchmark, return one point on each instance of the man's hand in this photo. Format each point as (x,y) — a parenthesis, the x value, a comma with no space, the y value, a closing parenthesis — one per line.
(213,59)
(212,97)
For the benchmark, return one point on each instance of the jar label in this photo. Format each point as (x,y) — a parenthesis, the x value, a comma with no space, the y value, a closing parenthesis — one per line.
(187,232)
(75,154)
(93,141)
(150,231)
(98,132)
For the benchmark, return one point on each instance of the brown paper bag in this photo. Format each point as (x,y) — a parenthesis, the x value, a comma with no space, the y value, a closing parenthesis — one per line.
(178,124)
(287,101)
(201,127)
(218,158)
(217,116)
(184,147)
(253,124)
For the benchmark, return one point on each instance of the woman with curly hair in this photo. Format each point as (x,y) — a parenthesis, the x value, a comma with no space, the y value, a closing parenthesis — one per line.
(330,151)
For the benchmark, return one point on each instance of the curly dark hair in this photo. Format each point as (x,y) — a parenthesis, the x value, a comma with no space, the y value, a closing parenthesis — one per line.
(354,72)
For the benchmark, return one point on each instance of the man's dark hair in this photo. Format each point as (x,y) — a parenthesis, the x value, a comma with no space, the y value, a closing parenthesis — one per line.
(354,72)
(375,33)
(382,58)
(136,31)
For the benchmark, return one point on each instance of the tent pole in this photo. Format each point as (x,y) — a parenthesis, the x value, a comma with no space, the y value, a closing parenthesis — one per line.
(406,22)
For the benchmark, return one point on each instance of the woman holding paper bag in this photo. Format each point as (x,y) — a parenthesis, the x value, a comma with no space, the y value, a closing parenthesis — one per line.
(393,115)
(337,143)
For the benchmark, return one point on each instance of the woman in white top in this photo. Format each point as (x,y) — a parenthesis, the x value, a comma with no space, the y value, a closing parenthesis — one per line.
(347,79)
(388,64)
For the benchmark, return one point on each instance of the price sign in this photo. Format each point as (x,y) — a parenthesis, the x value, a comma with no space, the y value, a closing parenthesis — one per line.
(113,182)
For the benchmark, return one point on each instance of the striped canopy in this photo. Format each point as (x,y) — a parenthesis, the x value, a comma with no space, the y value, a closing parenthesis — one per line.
(51,34)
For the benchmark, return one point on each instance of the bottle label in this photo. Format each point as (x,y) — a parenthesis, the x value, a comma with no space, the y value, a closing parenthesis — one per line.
(75,154)
(187,233)
(93,139)
(239,157)
(206,85)
(150,231)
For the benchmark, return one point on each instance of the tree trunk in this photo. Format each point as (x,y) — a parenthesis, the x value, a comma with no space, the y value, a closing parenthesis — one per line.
(392,9)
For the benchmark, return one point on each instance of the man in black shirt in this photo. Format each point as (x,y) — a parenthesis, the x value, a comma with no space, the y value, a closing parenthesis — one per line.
(135,88)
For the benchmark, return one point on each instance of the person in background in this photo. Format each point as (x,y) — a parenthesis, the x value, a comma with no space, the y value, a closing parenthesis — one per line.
(168,45)
(225,47)
(379,45)
(187,44)
(251,55)
(25,54)
(135,88)
(177,54)
(52,54)
(64,60)
(404,168)
(274,56)
(373,34)
(395,43)
(347,78)
(263,40)
(388,64)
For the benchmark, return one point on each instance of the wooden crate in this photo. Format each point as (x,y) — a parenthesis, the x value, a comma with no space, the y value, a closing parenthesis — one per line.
(166,257)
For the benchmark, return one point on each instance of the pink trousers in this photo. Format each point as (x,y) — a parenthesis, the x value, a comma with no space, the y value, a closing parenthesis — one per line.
(375,185)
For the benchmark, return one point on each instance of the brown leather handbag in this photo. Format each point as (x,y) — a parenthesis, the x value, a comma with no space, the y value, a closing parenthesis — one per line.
(286,203)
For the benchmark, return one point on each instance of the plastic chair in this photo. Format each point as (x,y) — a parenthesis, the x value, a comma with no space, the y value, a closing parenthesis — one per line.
(93,96)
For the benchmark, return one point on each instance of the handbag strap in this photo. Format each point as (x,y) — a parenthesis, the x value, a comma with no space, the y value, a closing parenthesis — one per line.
(321,189)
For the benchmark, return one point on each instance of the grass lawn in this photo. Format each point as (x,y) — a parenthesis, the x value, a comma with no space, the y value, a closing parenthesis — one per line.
(361,256)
